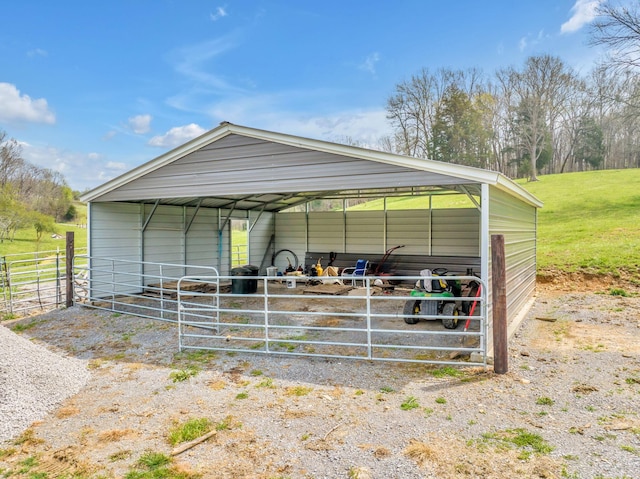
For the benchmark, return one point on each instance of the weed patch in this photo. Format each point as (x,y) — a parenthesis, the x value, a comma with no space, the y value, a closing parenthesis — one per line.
(409,403)
(189,431)
(183,374)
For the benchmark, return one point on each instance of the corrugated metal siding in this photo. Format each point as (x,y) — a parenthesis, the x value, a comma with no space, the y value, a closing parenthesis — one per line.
(115,233)
(259,238)
(517,222)
(410,228)
(239,165)
(164,238)
(291,233)
(455,232)
(326,231)
(202,239)
(115,230)
(364,232)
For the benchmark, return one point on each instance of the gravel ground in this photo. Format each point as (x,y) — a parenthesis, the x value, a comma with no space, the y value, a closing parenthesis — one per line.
(102,390)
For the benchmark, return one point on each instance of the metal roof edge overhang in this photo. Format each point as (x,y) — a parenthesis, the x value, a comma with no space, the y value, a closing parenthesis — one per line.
(466,173)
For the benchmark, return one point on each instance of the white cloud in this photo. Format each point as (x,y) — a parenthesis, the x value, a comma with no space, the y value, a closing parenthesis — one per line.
(268,112)
(80,170)
(140,124)
(19,108)
(116,166)
(369,63)
(220,13)
(177,136)
(584,11)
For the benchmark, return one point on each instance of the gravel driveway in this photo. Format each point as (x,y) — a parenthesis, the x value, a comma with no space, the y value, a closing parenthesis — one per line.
(105,389)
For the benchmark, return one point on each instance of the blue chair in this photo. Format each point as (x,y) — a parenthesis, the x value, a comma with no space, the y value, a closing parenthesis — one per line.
(356,273)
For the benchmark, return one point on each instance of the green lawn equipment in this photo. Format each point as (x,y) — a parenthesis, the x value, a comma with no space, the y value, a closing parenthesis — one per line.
(444,293)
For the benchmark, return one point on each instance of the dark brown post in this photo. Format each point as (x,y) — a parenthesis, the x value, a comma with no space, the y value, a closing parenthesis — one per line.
(69,276)
(499,292)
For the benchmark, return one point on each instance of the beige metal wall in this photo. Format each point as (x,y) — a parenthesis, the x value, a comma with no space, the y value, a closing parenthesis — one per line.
(515,220)
(450,232)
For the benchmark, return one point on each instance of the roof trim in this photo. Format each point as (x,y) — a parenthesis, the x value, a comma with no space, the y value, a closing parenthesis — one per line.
(471,174)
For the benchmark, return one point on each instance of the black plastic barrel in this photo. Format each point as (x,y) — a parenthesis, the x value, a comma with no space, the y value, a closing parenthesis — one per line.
(252,286)
(239,285)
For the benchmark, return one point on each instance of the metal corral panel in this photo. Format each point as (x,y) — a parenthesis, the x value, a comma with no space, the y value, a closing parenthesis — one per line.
(515,220)
(455,232)
(364,232)
(239,165)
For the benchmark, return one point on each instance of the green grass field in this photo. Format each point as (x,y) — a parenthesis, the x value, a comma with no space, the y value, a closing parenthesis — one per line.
(25,240)
(590,222)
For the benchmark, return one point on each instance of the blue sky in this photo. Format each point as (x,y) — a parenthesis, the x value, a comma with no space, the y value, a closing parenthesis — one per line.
(93,89)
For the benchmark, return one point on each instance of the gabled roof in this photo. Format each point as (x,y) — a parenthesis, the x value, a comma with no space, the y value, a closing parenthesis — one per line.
(248,168)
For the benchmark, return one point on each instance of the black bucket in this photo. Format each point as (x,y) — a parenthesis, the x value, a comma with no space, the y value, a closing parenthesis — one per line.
(253,283)
(239,285)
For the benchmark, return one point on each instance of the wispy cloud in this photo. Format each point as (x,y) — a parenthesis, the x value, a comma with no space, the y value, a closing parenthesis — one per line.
(177,136)
(37,52)
(369,64)
(530,41)
(221,12)
(583,12)
(194,62)
(140,124)
(20,108)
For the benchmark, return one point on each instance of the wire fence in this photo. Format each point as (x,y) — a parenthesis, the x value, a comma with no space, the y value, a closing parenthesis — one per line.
(32,282)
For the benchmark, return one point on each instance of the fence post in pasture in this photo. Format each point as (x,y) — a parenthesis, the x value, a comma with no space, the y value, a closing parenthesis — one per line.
(499,292)
(69,262)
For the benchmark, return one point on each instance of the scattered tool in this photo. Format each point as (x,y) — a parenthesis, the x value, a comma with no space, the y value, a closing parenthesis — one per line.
(478,291)
(378,270)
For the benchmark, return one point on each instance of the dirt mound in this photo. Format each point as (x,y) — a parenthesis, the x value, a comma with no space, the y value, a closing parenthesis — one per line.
(553,280)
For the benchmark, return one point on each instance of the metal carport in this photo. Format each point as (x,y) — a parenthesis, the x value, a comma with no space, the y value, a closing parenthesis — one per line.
(177,207)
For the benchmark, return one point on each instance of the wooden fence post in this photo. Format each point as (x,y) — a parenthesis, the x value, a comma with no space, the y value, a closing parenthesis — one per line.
(499,292)
(69,262)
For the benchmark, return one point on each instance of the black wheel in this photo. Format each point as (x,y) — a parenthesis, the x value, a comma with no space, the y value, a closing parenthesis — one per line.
(287,251)
(411,308)
(449,309)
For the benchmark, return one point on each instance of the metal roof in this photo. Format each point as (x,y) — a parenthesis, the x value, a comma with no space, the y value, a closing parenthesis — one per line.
(244,168)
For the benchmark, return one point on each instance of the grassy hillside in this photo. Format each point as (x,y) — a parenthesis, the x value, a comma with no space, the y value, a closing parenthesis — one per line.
(590,221)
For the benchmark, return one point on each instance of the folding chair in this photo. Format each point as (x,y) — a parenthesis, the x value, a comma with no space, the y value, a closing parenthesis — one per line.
(358,272)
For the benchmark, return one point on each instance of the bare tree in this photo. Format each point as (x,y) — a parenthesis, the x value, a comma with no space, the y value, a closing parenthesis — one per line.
(413,108)
(538,92)
(618,29)
(11,161)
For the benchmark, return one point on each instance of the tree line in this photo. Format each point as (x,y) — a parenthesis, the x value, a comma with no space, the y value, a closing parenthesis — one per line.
(30,196)
(541,117)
